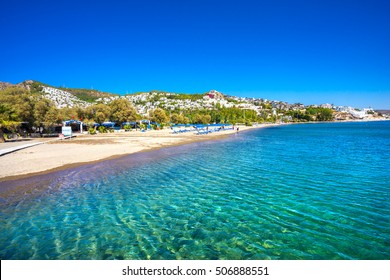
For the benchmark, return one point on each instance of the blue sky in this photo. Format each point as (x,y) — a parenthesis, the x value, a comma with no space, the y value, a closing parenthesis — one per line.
(296,51)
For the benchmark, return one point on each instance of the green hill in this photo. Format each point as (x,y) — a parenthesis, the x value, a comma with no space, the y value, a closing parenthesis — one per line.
(88,95)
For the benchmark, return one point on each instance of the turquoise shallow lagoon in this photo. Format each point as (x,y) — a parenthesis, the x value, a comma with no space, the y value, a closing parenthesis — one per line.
(309,191)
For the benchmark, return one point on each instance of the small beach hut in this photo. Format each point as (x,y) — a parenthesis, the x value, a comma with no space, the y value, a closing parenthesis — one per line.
(76,125)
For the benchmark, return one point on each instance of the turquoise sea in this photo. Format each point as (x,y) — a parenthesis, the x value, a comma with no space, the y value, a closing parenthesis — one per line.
(307,191)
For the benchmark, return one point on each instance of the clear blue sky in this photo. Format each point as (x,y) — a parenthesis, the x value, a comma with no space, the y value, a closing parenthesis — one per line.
(296,51)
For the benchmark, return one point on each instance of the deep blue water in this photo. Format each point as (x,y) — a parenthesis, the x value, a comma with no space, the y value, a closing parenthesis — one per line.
(309,191)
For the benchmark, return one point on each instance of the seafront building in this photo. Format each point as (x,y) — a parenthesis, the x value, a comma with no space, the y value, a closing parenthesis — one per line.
(359,114)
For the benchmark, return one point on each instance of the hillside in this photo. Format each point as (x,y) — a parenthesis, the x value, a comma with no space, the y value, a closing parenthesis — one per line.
(87,95)
(62,97)
(144,102)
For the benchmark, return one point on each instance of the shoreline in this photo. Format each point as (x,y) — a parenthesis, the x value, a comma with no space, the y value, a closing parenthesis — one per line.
(55,156)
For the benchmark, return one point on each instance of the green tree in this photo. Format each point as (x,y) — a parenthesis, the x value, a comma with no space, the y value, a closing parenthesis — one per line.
(179,119)
(206,119)
(8,119)
(52,118)
(41,108)
(122,110)
(320,114)
(186,120)
(21,102)
(69,113)
(197,118)
(176,118)
(159,116)
(98,113)
(325,114)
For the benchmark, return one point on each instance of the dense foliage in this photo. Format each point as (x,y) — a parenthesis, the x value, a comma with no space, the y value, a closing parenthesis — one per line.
(312,114)
(159,116)
(183,96)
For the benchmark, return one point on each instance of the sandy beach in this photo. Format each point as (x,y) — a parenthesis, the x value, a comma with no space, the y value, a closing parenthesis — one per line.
(53,155)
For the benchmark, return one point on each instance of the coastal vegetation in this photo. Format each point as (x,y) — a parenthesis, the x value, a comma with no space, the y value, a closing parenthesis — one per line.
(159,116)
(33,106)
(311,114)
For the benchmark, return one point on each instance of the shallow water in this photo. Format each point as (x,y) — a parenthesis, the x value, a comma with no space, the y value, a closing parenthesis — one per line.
(313,191)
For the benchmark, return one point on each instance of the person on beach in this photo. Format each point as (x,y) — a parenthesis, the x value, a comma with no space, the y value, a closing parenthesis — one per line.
(238,129)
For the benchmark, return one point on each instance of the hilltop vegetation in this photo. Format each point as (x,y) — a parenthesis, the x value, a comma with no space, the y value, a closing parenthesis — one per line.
(88,95)
(184,96)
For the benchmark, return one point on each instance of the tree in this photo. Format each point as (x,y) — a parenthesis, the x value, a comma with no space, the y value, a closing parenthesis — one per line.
(21,102)
(197,118)
(81,113)
(41,108)
(98,113)
(52,118)
(159,116)
(179,118)
(69,113)
(46,114)
(122,110)
(206,119)
(176,118)
(7,119)
(186,120)
(325,114)
(320,114)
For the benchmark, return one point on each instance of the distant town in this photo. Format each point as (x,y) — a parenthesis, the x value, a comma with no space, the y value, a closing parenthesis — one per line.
(147,101)
(32,106)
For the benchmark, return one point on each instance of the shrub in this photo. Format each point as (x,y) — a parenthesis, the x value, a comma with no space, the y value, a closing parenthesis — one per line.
(92,131)
(127,127)
(102,129)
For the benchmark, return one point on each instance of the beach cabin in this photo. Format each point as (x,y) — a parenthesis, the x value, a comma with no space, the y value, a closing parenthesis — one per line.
(111,125)
(154,125)
(77,126)
(146,122)
(132,125)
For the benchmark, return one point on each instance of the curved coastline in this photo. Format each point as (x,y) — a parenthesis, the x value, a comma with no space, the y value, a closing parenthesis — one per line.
(327,188)
(61,155)
(85,149)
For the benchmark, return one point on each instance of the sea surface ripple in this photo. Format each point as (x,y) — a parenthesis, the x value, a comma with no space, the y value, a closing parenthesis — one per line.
(310,191)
